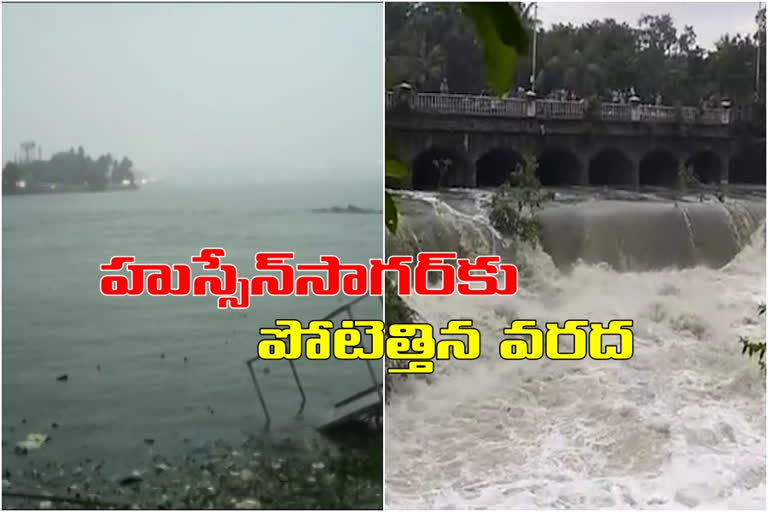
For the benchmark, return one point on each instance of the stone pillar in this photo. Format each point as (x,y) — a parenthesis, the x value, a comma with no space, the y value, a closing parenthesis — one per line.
(725,161)
(583,168)
(634,106)
(635,162)
(470,174)
(530,104)
(725,113)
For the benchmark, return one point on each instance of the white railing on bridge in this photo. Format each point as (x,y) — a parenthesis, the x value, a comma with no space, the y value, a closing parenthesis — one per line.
(464,104)
(548,109)
(615,112)
(438,103)
(657,113)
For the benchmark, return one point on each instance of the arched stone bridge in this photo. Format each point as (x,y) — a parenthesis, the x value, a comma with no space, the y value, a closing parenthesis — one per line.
(474,141)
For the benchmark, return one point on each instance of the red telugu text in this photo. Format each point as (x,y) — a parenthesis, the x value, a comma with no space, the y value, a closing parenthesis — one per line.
(277,276)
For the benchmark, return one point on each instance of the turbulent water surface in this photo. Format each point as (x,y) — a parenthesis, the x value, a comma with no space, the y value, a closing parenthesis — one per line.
(681,424)
(157,368)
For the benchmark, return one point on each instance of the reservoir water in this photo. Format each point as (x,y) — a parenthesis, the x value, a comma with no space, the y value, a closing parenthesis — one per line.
(167,369)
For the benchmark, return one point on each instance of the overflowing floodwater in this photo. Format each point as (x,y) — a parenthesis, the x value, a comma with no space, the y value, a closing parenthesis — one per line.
(681,424)
(165,369)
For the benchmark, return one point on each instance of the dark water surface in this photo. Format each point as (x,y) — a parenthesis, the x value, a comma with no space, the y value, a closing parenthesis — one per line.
(125,357)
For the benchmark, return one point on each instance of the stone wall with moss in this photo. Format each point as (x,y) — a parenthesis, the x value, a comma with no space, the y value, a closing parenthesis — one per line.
(396,311)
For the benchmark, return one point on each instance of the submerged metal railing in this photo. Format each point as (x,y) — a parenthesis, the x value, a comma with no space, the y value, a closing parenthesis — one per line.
(376,384)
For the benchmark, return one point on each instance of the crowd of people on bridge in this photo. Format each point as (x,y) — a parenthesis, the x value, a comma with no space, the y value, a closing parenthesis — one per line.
(618,96)
(615,96)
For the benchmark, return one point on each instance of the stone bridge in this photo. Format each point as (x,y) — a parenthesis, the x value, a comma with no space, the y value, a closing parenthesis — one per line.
(452,140)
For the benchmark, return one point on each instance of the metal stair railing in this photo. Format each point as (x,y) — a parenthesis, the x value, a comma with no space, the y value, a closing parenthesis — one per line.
(376,384)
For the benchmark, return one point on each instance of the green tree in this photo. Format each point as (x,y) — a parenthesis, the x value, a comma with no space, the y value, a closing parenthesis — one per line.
(12,173)
(594,58)
(72,168)
(753,347)
(515,203)
(123,171)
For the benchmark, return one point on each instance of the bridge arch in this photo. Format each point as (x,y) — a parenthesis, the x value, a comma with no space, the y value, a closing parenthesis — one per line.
(559,166)
(439,166)
(611,166)
(659,167)
(495,165)
(748,165)
(707,166)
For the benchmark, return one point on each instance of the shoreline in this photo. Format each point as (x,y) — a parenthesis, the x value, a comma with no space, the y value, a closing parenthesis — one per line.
(255,474)
(68,190)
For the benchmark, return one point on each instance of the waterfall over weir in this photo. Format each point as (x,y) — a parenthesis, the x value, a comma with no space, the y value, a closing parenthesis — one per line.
(630,233)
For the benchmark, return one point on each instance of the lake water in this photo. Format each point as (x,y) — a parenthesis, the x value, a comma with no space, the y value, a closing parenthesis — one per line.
(125,356)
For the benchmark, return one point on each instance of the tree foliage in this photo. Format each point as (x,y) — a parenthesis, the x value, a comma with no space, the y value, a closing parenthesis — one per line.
(74,168)
(755,347)
(514,204)
(502,37)
(429,42)
(686,177)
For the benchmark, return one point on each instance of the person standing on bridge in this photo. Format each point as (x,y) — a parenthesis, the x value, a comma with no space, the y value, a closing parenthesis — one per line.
(444,86)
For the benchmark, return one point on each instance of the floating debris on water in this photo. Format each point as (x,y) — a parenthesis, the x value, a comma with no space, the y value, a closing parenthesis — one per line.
(248,504)
(32,442)
(159,468)
(255,475)
(132,479)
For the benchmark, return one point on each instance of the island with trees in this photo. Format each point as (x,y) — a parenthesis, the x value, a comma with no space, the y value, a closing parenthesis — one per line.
(66,171)
(348,209)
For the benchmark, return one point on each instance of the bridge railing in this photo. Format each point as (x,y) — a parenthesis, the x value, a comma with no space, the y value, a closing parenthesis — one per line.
(548,109)
(464,104)
(615,112)
(657,113)
(711,116)
(690,114)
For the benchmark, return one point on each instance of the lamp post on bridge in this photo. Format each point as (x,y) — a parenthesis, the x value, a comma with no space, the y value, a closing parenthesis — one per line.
(533,54)
(760,29)
(725,114)
(634,106)
(530,94)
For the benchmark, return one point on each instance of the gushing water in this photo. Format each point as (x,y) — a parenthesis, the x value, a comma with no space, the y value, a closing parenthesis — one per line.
(681,424)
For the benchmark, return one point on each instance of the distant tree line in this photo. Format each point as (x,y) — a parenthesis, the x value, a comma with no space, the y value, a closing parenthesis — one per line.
(434,47)
(67,168)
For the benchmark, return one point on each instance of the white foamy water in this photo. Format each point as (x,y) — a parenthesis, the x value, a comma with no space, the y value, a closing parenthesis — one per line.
(681,424)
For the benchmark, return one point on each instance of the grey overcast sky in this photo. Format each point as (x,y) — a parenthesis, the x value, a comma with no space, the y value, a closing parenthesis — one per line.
(198,87)
(710,20)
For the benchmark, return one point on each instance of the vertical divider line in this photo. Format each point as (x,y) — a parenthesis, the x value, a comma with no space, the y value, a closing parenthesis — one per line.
(382,98)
